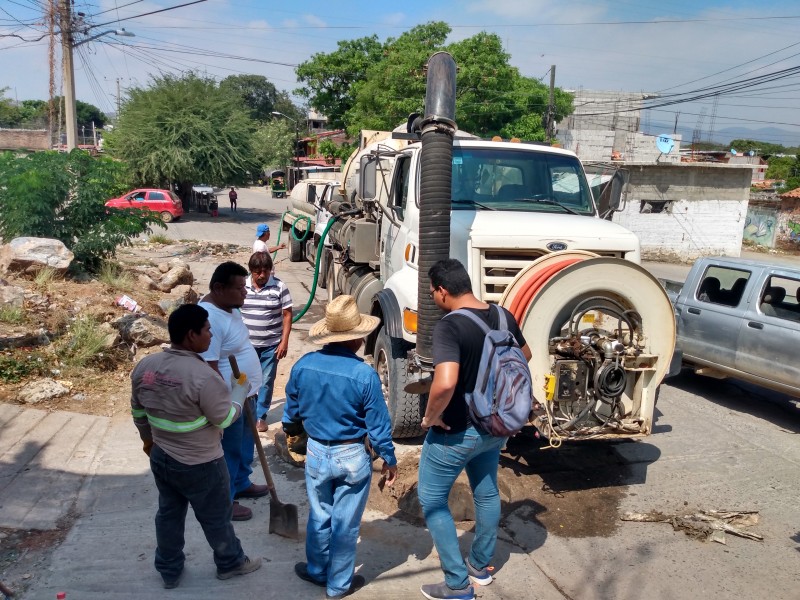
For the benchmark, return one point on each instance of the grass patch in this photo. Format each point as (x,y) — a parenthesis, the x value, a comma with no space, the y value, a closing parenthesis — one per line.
(44,278)
(16,366)
(12,314)
(115,277)
(159,238)
(85,341)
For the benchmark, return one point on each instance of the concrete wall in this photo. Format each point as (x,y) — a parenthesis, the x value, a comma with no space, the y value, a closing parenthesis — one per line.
(761,225)
(600,144)
(788,230)
(24,139)
(686,210)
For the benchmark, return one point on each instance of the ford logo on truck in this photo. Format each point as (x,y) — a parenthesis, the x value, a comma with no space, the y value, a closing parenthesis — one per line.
(556,246)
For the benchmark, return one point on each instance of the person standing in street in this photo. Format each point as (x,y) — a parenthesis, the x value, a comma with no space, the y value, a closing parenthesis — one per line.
(233,197)
(262,237)
(453,443)
(181,407)
(267,314)
(230,337)
(337,399)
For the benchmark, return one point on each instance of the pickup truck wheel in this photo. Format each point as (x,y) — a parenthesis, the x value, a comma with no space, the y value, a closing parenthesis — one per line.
(295,250)
(391,363)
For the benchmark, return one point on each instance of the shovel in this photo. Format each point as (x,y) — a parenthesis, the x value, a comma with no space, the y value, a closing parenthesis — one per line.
(282,517)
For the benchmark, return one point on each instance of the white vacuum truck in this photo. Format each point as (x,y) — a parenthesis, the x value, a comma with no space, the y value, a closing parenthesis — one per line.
(522,219)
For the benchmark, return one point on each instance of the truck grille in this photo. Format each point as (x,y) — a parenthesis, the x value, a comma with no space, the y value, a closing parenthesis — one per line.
(498,268)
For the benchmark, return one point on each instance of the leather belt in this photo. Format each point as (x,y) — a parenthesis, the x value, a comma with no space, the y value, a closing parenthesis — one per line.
(338,442)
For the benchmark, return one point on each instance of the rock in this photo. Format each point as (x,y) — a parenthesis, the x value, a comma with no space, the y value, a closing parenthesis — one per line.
(40,390)
(177,262)
(79,397)
(11,296)
(113,338)
(24,339)
(177,275)
(144,331)
(146,282)
(163,267)
(25,252)
(182,294)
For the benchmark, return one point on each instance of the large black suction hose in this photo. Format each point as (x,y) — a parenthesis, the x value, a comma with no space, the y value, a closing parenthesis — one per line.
(438,128)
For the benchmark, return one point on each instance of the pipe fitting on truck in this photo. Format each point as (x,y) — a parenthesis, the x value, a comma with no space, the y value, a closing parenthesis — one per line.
(438,127)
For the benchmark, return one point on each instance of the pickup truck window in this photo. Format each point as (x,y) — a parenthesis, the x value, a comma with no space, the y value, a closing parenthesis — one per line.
(780,298)
(723,285)
(518,180)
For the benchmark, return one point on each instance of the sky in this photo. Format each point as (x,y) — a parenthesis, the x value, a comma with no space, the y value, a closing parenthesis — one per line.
(676,48)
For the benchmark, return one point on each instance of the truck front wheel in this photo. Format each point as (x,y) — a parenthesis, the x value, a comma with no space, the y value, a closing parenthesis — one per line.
(295,249)
(391,363)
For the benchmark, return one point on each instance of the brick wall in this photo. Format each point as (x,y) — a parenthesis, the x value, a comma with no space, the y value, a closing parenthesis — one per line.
(24,139)
(687,210)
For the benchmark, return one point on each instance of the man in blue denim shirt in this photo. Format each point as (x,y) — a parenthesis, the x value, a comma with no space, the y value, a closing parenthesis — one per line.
(338,400)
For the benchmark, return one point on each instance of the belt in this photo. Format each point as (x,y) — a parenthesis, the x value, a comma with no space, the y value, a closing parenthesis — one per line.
(338,442)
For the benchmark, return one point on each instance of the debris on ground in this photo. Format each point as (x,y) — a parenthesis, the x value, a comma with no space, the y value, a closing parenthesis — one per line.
(705,524)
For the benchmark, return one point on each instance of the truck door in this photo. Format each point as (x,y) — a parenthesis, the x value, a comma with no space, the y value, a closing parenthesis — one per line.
(394,231)
(770,333)
(710,317)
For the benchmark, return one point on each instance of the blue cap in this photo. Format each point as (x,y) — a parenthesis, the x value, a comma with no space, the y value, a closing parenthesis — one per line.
(261,230)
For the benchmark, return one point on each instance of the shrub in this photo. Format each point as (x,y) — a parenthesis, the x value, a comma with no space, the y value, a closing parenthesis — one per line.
(159,238)
(12,314)
(85,341)
(114,277)
(16,366)
(62,196)
(44,277)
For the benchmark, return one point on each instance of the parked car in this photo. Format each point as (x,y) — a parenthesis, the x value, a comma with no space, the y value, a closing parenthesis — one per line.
(740,318)
(164,202)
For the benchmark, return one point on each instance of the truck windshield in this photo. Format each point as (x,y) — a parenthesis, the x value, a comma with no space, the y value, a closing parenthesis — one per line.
(518,180)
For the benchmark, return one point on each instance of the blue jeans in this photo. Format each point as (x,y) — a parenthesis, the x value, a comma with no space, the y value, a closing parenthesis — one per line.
(205,487)
(239,449)
(269,368)
(337,482)
(444,456)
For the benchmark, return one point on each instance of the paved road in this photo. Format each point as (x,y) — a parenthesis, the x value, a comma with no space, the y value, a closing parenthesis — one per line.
(716,445)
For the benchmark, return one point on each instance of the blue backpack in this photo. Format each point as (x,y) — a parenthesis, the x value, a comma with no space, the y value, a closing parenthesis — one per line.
(503,396)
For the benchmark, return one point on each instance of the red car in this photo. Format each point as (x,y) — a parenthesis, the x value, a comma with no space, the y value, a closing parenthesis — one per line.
(164,202)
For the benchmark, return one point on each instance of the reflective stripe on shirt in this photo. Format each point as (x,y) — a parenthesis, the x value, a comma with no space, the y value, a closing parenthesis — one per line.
(175,427)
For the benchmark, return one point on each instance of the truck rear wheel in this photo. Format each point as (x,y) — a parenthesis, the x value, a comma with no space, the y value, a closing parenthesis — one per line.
(295,249)
(391,363)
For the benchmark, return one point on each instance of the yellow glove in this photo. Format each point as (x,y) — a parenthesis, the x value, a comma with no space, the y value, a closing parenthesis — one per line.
(239,389)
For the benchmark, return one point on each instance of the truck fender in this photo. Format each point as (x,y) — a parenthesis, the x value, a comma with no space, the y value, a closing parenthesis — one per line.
(387,308)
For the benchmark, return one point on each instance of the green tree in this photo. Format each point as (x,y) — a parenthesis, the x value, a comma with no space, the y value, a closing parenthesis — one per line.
(330,78)
(87,114)
(184,129)
(9,113)
(492,96)
(273,144)
(760,148)
(256,91)
(62,196)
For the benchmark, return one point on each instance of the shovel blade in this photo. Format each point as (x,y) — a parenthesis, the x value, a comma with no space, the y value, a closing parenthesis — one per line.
(283,520)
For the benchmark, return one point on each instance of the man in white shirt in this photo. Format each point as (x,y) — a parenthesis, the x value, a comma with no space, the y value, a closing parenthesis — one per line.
(230,337)
(262,237)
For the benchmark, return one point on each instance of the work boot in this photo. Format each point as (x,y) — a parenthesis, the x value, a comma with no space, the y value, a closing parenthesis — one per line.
(248,566)
(254,490)
(301,570)
(241,513)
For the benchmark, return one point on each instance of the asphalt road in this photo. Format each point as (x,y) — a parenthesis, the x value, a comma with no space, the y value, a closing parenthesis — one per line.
(717,445)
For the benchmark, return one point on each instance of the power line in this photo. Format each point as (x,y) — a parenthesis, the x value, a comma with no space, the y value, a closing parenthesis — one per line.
(152,12)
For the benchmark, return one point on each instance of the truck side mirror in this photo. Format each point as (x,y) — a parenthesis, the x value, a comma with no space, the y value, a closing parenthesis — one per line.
(612,197)
(367,178)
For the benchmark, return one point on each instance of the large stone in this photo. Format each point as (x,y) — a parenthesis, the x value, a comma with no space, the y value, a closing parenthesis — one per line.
(177,275)
(146,282)
(24,253)
(41,390)
(23,339)
(11,296)
(144,331)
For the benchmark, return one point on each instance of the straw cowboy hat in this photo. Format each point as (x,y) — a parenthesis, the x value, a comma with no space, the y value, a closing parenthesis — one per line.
(342,322)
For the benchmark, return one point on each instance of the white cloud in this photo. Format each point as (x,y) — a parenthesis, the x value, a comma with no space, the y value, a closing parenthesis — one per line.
(314,21)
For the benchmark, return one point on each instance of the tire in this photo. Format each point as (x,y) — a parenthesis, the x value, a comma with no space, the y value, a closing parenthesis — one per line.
(167,217)
(322,281)
(295,249)
(392,367)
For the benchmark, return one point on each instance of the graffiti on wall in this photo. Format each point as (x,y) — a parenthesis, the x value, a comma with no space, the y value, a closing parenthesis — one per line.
(759,227)
(794,231)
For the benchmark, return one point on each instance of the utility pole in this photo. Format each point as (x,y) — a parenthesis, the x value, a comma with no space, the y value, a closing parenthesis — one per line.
(551,106)
(69,74)
(118,99)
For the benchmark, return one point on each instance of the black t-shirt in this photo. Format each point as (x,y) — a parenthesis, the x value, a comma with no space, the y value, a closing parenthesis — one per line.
(457,339)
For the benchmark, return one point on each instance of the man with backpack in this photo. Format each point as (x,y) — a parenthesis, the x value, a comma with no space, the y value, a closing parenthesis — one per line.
(460,434)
